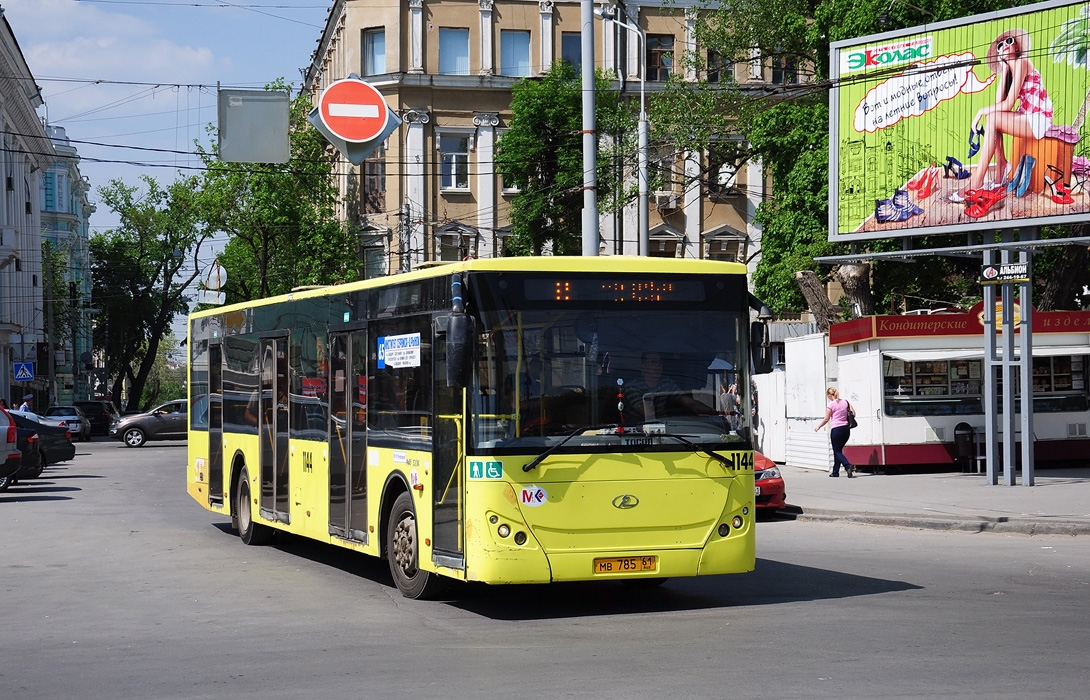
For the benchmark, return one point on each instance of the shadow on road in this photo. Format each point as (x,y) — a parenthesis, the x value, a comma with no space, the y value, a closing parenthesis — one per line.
(772,583)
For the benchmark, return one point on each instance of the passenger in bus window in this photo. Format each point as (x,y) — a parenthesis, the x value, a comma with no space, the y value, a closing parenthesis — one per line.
(669,399)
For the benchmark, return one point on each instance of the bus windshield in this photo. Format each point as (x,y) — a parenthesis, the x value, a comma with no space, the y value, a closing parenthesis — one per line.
(614,374)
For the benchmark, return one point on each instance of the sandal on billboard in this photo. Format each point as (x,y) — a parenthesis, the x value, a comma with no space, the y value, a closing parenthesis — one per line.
(984,201)
(955,169)
(901,201)
(929,183)
(1023,176)
(966,196)
(974,140)
(1061,192)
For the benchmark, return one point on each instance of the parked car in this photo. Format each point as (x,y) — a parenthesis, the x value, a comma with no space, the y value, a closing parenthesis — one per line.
(768,483)
(31,467)
(101,413)
(74,418)
(54,439)
(169,421)
(11,459)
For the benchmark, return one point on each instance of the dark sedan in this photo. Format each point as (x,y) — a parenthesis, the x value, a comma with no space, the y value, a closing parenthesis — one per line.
(101,413)
(54,441)
(169,421)
(32,459)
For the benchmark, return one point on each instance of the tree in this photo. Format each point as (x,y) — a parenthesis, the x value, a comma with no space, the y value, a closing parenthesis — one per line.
(166,380)
(542,155)
(280,218)
(140,272)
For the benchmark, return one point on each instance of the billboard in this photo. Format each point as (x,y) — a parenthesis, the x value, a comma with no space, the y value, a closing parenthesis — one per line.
(972,124)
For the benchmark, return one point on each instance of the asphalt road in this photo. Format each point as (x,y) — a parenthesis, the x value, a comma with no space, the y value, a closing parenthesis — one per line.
(115,585)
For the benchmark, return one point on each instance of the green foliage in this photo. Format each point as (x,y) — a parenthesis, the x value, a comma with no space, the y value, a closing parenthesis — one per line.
(280,218)
(140,273)
(166,380)
(542,155)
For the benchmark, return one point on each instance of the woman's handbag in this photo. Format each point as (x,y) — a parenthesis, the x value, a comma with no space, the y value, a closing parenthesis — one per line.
(852,422)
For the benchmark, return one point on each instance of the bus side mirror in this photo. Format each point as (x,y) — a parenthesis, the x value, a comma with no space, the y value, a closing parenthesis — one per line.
(459,336)
(760,352)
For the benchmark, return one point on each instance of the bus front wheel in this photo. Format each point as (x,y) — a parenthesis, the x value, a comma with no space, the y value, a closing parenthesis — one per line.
(250,532)
(403,552)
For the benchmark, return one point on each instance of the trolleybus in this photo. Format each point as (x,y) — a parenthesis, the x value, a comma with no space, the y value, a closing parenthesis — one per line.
(498,421)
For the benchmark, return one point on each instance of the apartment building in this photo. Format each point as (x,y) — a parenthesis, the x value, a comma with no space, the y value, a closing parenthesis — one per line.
(66,212)
(25,153)
(447,68)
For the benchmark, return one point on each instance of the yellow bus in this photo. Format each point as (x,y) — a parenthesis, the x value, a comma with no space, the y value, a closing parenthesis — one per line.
(516,420)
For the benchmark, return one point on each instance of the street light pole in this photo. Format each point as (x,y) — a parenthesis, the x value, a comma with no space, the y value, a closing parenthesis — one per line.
(641,130)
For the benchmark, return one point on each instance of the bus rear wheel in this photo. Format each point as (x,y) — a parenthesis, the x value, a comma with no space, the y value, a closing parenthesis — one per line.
(403,552)
(251,533)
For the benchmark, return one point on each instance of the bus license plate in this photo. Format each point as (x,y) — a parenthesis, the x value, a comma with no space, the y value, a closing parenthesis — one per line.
(613,565)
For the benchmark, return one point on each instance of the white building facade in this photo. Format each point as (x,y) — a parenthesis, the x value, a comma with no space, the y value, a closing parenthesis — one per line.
(26,152)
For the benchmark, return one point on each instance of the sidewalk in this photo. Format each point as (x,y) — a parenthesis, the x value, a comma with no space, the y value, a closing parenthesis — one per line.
(1057,504)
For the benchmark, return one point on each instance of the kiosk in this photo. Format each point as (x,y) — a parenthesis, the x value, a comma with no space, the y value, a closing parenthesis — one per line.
(918,381)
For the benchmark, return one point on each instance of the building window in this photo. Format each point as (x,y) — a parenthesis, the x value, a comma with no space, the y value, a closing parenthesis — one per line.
(662,248)
(660,56)
(756,70)
(453,51)
(374,182)
(725,249)
(514,53)
(784,72)
(571,49)
(454,161)
(661,169)
(720,70)
(723,163)
(374,51)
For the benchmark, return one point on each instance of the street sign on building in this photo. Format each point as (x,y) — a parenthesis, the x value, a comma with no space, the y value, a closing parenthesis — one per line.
(354,117)
(353,110)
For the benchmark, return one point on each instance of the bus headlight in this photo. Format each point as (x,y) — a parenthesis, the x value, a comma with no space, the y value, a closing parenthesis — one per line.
(503,530)
(736,522)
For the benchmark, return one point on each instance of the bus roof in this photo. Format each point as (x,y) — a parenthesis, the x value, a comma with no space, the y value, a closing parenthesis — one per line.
(541,263)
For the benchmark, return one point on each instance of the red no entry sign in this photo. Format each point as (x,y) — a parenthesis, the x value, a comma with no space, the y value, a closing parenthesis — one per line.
(353,110)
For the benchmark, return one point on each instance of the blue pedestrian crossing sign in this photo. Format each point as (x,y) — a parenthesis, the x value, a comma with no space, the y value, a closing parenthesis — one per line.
(24,371)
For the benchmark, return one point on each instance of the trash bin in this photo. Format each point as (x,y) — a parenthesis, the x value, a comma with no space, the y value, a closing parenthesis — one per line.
(963,441)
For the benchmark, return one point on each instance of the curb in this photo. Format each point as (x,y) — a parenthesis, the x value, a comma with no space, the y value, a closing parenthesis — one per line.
(1020,526)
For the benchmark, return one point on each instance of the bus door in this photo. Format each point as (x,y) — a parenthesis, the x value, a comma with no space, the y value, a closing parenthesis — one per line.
(272,429)
(215,423)
(348,435)
(448,466)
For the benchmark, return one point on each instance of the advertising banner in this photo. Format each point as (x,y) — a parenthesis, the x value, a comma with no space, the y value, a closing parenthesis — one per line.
(977,123)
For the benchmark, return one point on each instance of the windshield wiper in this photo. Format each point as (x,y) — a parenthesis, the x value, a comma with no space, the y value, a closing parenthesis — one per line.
(613,426)
(697,448)
(578,431)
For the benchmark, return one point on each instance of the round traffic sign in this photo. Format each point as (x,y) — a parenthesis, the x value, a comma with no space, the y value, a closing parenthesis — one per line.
(353,110)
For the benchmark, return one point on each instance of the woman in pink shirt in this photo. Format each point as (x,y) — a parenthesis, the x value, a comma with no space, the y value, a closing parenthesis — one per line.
(836,415)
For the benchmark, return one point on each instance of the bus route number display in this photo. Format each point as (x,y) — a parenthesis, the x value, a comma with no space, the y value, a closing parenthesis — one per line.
(637,291)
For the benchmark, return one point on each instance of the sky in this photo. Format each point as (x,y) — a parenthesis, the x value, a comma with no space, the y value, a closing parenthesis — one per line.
(126,76)
(133,82)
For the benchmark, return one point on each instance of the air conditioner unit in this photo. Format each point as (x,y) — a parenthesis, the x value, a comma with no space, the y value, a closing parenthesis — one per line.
(666,200)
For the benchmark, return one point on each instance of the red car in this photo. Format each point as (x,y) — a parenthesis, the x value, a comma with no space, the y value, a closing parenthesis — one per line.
(768,483)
